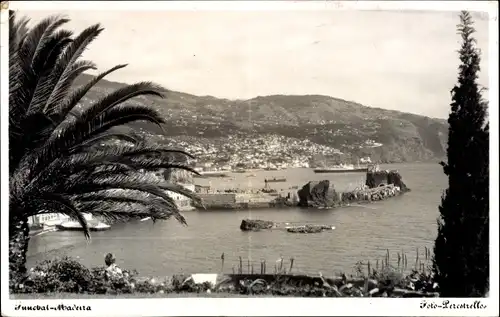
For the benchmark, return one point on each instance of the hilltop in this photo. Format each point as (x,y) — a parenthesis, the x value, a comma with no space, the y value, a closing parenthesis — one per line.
(348,126)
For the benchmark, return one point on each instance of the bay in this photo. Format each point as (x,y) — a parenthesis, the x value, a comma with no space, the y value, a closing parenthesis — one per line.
(362,233)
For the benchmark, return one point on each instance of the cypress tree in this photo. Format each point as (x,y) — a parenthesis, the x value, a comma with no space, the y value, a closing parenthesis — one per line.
(461,250)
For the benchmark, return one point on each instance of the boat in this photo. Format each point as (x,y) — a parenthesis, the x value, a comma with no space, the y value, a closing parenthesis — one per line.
(144,219)
(76,226)
(275,180)
(239,170)
(211,174)
(343,168)
(271,169)
(252,175)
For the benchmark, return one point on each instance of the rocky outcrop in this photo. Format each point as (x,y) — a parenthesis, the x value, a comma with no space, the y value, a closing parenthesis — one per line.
(317,194)
(374,194)
(376,178)
(380,185)
(256,225)
(309,228)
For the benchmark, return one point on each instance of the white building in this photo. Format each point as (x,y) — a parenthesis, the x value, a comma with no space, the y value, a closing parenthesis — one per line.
(365,160)
(48,220)
(183,203)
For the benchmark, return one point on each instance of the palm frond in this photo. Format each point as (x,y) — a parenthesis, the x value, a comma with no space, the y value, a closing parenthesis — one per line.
(131,206)
(60,143)
(44,41)
(39,34)
(120,182)
(61,77)
(120,96)
(55,203)
(121,212)
(103,138)
(26,71)
(122,115)
(181,190)
(58,162)
(152,164)
(43,66)
(77,95)
(81,129)
(17,31)
(146,149)
(118,154)
(61,90)
(26,82)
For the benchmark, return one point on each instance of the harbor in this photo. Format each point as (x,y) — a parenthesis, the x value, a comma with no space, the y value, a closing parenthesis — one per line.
(359,228)
(377,185)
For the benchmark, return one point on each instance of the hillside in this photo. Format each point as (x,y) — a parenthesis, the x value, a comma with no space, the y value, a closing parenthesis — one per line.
(345,125)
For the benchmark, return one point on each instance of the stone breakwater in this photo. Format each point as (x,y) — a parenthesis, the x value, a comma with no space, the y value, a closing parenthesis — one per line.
(379,185)
(242,201)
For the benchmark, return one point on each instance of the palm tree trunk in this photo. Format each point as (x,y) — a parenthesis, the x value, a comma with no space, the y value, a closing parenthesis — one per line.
(18,247)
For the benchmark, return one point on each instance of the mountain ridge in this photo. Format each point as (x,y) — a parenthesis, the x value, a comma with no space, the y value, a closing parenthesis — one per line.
(323,119)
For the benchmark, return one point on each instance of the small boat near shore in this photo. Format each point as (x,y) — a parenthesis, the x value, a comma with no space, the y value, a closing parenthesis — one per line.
(211,174)
(76,226)
(275,180)
(341,169)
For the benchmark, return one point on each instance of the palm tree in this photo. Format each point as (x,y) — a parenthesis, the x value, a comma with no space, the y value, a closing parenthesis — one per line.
(57,163)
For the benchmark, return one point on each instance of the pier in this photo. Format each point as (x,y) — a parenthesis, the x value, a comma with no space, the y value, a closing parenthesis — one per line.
(379,185)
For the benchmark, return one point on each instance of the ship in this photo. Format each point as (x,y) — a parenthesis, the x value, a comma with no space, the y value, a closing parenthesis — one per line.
(211,174)
(343,169)
(275,180)
(239,170)
(270,168)
(76,226)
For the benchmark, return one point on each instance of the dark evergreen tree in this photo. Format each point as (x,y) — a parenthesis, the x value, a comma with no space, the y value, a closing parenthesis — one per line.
(461,251)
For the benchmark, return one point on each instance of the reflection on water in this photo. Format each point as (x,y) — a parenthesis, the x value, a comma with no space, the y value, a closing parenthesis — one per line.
(362,232)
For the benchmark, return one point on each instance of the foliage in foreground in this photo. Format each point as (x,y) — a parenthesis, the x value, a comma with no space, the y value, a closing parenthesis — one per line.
(67,275)
(461,262)
(60,157)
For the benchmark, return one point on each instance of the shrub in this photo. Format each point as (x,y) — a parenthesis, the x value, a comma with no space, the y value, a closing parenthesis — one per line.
(68,275)
(58,275)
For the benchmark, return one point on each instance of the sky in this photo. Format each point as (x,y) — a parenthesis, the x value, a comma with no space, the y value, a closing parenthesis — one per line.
(398,60)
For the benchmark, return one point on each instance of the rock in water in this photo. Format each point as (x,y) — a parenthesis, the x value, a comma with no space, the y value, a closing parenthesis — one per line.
(309,228)
(317,194)
(256,225)
(397,180)
(379,178)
